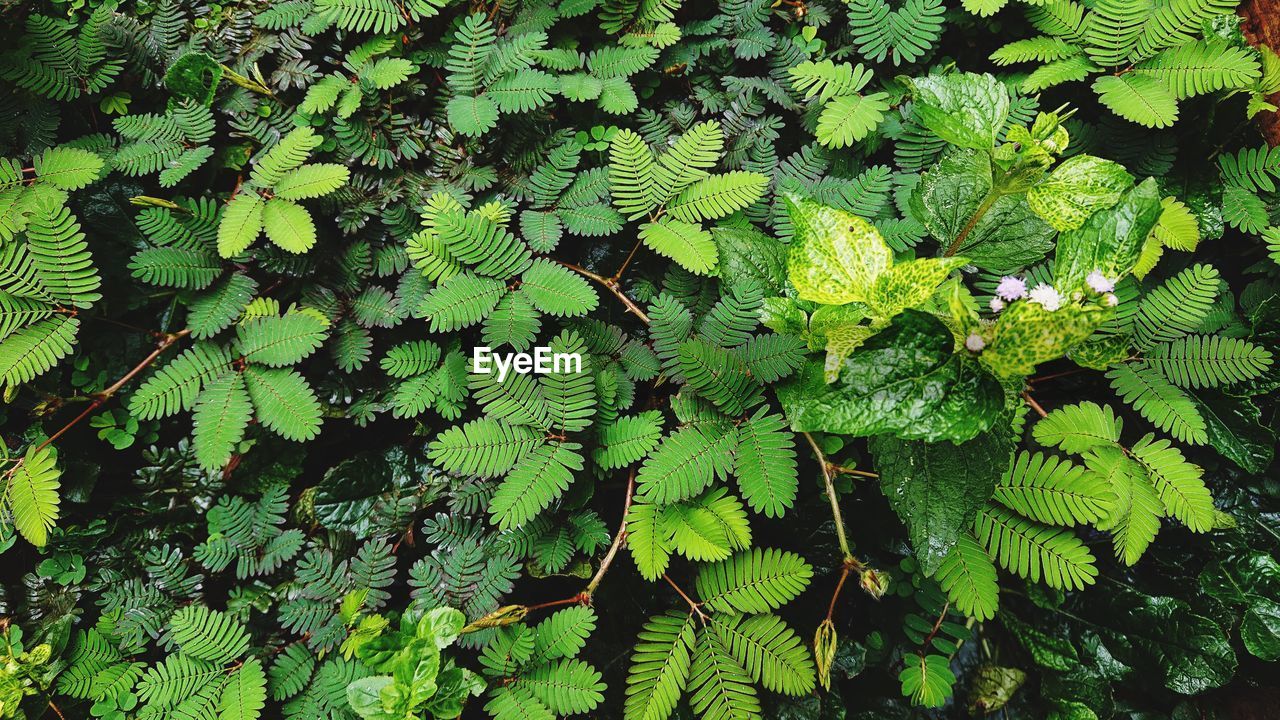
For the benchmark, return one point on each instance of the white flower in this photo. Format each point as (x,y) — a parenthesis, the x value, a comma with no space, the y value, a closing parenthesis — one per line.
(1048,298)
(1099,283)
(996,304)
(1011,288)
(974,342)
(1111,300)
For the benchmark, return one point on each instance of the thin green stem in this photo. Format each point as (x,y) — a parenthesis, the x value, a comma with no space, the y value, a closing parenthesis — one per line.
(832,496)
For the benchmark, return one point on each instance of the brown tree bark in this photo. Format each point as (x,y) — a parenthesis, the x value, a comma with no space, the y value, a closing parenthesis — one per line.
(1262,26)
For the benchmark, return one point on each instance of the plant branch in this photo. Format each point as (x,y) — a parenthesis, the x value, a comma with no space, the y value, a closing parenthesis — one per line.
(618,538)
(625,263)
(610,284)
(1034,405)
(832,496)
(695,607)
(101,398)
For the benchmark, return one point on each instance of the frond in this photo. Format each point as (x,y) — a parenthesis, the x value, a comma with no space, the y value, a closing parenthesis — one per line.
(719,376)
(1199,68)
(755,581)
(1035,551)
(716,196)
(628,439)
(1176,308)
(222,412)
(176,386)
(284,402)
(31,351)
(771,653)
(1053,491)
(556,290)
(1179,483)
(31,494)
(1160,402)
(461,301)
(719,687)
(1139,98)
(765,464)
(1135,519)
(208,635)
(688,461)
(565,687)
(277,341)
(485,447)
(968,576)
(660,666)
(536,481)
(1199,361)
(692,247)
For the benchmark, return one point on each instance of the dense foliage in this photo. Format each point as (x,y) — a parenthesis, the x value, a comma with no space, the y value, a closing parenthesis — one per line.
(927,357)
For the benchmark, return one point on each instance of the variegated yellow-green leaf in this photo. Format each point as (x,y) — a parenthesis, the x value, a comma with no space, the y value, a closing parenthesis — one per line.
(1075,189)
(835,256)
(909,284)
(1027,334)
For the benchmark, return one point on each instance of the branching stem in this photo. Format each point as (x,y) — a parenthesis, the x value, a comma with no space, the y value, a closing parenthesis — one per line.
(618,538)
(695,607)
(101,398)
(610,284)
(832,496)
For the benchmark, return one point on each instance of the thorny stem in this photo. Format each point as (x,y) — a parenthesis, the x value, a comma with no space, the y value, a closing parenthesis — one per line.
(55,709)
(625,263)
(831,495)
(1034,405)
(618,538)
(610,284)
(692,605)
(101,398)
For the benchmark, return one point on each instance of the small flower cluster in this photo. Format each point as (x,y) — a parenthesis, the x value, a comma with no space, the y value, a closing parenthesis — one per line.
(1015,288)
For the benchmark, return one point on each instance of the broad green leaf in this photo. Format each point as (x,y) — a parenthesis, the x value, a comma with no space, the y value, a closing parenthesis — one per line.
(964,109)
(1188,651)
(1026,334)
(936,488)
(905,381)
(960,206)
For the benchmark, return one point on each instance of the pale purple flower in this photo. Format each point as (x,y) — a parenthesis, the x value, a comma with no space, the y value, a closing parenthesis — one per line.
(996,304)
(1099,283)
(974,342)
(1048,298)
(1011,288)
(1111,300)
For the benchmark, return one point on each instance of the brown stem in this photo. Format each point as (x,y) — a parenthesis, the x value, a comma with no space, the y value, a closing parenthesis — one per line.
(695,607)
(853,471)
(832,496)
(618,539)
(56,711)
(627,262)
(579,598)
(1054,376)
(1034,405)
(610,284)
(844,575)
(101,398)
